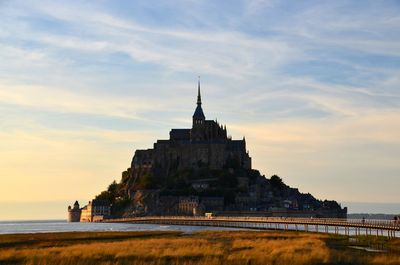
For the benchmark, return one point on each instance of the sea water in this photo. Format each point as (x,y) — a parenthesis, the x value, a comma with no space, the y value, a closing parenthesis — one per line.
(20,227)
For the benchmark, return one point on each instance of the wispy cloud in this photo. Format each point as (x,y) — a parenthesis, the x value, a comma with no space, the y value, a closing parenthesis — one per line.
(231,54)
(252,7)
(354,151)
(60,100)
(313,86)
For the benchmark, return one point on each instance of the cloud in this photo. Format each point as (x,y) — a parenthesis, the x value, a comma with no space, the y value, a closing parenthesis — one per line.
(253,7)
(313,87)
(61,100)
(333,158)
(374,126)
(67,163)
(226,53)
(337,25)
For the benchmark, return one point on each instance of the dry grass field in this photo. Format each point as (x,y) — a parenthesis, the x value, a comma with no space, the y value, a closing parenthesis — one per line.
(208,248)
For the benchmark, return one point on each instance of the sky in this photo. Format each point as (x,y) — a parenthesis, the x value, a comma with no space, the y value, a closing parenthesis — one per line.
(314,86)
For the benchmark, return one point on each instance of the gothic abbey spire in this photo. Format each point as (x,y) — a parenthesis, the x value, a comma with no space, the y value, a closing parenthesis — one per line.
(198,116)
(198,93)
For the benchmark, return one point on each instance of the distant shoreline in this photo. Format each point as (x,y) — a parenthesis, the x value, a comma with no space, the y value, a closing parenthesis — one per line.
(32,220)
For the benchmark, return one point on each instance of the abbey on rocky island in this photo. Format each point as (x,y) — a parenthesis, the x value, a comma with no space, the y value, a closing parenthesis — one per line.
(200,170)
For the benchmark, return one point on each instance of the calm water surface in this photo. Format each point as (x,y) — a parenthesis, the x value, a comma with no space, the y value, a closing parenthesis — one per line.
(18,227)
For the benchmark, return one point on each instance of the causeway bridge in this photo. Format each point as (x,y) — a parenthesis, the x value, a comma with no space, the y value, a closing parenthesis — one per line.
(389,228)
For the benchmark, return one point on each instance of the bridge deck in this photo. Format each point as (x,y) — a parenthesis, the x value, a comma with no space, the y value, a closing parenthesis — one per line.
(358,225)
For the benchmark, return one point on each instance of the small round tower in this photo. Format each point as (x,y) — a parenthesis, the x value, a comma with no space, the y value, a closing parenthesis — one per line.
(74,214)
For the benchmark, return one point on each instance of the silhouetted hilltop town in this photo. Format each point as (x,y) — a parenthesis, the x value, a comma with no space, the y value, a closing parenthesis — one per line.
(196,171)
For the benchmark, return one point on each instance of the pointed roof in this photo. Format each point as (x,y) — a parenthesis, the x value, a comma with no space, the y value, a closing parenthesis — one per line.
(198,113)
(198,93)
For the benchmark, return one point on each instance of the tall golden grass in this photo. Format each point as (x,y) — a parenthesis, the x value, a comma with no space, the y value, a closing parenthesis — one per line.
(205,248)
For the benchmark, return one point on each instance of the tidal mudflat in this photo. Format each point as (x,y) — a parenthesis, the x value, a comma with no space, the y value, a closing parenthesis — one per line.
(207,247)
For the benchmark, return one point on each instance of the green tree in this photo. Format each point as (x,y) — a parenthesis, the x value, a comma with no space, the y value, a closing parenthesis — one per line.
(146,181)
(113,187)
(111,193)
(277,182)
(105,195)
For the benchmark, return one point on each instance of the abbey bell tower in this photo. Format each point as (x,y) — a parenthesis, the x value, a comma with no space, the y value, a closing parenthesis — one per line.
(204,144)
(197,132)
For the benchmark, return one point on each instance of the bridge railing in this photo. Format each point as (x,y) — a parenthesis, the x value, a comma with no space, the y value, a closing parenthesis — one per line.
(288,220)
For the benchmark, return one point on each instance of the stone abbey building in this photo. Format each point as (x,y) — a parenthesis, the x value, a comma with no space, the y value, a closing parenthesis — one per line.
(200,170)
(205,144)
